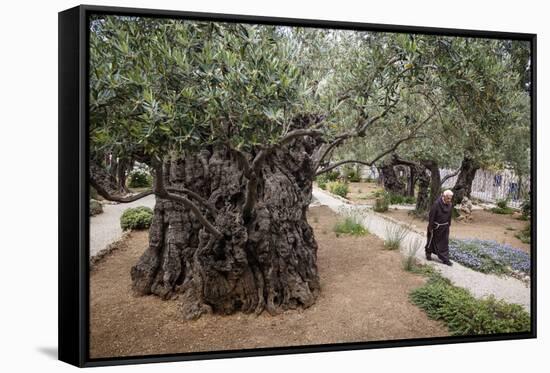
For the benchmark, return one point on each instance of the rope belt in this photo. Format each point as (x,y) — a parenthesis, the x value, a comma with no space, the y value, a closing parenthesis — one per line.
(439,224)
(432,232)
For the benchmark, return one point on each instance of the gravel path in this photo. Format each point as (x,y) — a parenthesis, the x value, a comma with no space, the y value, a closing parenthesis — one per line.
(479,284)
(105,227)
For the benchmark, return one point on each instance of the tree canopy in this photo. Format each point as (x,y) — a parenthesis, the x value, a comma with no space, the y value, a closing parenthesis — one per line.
(161,85)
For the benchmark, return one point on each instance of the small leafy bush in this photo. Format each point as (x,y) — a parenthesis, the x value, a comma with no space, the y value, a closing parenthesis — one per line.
(136,218)
(382,201)
(96,208)
(339,188)
(502,208)
(352,174)
(139,179)
(350,225)
(489,256)
(332,175)
(525,234)
(466,315)
(398,199)
(93,193)
(526,208)
(502,203)
(322,181)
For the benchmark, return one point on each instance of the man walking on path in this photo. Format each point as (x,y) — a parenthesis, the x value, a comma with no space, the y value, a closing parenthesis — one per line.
(438,228)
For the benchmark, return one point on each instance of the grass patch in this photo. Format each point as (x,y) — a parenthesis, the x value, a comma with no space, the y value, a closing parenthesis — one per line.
(350,225)
(525,234)
(502,211)
(395,234)
(502,208)
(465,315)
(409,262)
(398,199)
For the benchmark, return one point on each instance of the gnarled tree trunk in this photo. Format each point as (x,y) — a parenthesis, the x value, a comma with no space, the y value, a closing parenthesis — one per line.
(391,181)
(435,180)
(411,181)
(463,185)
(263,261)
(423,197)
(102,179)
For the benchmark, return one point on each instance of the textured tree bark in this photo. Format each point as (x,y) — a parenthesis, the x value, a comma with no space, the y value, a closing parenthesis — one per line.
(463,185)
(422,175)
(412,179)
(124,166)
(391,181)
(102,179)
(265,261)
(423,197)
(435,180)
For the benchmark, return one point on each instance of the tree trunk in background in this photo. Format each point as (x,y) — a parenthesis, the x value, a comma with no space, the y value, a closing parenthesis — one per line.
(103,179)
(124,166)
(391,181)
(266,262)
(463,185)
(411,181)
(423,197)
(435,180)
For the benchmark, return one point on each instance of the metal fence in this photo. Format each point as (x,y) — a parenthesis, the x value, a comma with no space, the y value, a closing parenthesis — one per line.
(488,186)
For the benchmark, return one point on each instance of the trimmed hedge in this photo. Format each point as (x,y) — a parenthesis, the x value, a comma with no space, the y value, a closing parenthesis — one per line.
(136,218)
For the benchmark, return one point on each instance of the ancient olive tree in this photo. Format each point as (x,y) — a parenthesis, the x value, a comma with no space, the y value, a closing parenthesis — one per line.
(215,110)
(236,121)
(480,100)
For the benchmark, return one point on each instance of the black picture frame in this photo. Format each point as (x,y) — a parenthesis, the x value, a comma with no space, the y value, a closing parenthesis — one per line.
(74,187)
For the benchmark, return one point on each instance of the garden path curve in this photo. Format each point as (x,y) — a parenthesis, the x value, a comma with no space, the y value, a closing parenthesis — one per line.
(479,284)
(105,227)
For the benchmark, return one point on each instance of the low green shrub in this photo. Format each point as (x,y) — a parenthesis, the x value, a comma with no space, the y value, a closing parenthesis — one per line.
(322,181)
(502,211)
(339,188)
(350,225)
(352,174)
(382,201)
(136,218)
(96,208)
(502,203)
(525,234)
(464,314)
(502,208)
(526,208)
(332,175)
(93,193)
(139,179)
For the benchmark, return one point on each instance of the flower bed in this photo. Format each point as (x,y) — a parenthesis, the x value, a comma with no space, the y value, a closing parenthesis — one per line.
(490,256)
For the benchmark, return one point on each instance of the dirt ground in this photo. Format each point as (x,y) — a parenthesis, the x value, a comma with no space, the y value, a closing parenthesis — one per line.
(362,193)
(364,297)
(484,225)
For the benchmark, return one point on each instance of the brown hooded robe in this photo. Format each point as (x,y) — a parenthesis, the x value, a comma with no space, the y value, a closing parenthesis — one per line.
(438,229)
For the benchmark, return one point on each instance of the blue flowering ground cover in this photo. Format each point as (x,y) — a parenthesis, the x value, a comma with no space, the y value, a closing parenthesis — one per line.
(489,256)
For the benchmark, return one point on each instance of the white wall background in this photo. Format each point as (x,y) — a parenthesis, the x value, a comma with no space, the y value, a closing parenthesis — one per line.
(28,184)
